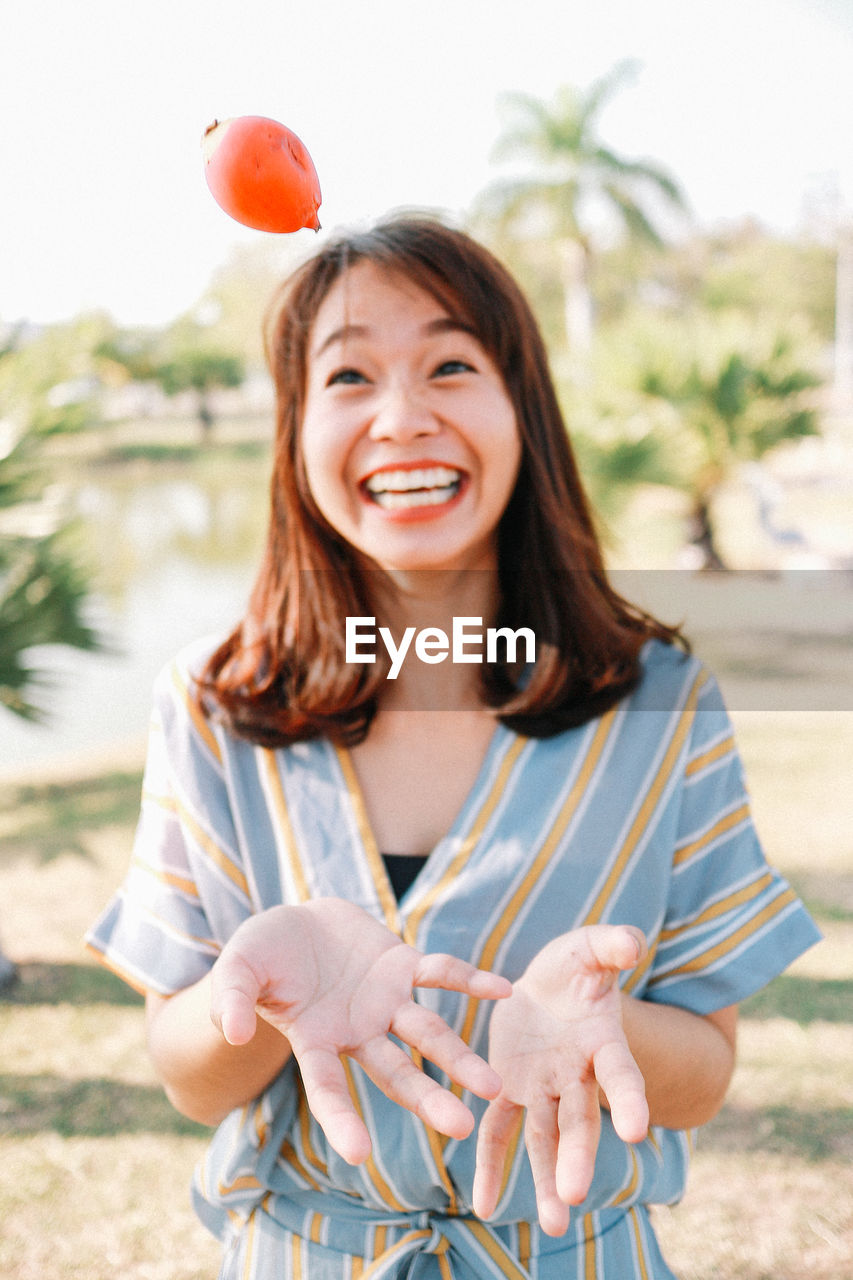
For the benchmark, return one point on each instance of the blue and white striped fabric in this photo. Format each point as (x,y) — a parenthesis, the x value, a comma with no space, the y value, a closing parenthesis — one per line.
(639,817)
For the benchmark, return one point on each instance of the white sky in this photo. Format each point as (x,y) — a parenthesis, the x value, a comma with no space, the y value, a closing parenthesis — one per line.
(103,204)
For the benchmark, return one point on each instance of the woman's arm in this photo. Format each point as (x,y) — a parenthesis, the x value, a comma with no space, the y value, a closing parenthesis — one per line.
(204,1076)
(686,1059)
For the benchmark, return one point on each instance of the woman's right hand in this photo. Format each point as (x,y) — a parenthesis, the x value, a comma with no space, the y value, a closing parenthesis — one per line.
(334,980)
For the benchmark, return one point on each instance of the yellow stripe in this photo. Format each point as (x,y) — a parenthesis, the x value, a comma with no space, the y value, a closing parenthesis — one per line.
(725,904)
(387,1255)
(469,843)
(633,1180)
(124,974)
(388,904)
(590,1270)
(356,1268)
(648,806)
(214,853)
(316,1227)
(288,1153)
(496,1251)
(641,1248)
(283,823)
(250,1245)
(296,1255)
(201,725)
(725,824)
(305,1137)
(728,944)
(524,1244)
(636,975)
(378,873)
(708,757)
(524,889)
(380,1238)
(383,1190)
(444,1267)
(167,877)
(246,1183)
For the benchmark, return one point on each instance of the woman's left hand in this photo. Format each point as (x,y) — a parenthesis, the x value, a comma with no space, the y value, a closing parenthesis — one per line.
(554,1042)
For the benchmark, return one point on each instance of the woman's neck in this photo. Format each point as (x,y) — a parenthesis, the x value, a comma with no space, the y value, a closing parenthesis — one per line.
(418,609)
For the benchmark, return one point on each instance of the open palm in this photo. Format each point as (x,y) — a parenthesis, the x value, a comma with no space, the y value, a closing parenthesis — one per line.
(333,980)
(554,1043)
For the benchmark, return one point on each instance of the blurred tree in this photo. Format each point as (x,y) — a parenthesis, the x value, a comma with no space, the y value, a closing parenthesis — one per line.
(578,186)
(721,392)
(43,589)
(744,267)
(182,358)
(201,370)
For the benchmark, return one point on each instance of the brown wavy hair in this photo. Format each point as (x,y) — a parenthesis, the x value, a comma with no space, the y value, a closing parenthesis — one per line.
(281,676)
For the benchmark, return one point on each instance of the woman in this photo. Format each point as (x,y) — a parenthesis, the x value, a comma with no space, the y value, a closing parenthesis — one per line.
(319,838)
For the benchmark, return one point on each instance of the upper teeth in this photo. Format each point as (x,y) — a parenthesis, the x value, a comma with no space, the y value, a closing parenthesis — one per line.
(420,478)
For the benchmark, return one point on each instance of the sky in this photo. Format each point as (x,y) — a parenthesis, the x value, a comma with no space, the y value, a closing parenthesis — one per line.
(103,104)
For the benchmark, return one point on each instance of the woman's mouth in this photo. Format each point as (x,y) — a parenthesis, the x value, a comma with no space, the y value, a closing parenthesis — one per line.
(402,489)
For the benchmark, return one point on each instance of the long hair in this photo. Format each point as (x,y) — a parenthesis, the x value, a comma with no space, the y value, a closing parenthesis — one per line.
(281,676)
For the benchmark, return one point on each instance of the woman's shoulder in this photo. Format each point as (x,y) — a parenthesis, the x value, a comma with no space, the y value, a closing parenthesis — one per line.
(671,675)
(189,662)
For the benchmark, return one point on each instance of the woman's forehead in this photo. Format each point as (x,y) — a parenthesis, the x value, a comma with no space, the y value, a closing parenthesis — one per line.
(365,290)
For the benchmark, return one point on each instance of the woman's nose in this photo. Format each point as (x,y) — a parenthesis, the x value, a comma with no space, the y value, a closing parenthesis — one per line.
(403,414)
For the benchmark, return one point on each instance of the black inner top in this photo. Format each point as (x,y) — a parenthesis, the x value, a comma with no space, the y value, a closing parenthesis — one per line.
(402,869)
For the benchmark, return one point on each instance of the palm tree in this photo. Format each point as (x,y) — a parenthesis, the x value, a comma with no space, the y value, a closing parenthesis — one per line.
(577,185)
(732,393)
(43,590)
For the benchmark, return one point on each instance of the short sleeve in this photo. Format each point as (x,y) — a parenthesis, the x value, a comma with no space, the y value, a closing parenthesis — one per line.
(732,922)
(185,891)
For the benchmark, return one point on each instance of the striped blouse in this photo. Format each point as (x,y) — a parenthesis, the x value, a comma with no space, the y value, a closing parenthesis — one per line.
(638,817)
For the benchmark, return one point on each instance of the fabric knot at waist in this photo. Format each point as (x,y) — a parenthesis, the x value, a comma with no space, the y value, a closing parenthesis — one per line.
(468,1237)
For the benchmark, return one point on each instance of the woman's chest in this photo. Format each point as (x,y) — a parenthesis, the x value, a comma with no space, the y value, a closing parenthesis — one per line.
(415,771)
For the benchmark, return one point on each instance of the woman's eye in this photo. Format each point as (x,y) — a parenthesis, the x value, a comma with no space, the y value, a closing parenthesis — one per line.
(345,377)
(448,367)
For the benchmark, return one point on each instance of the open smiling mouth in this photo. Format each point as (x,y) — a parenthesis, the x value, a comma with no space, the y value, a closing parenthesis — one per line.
(421,487)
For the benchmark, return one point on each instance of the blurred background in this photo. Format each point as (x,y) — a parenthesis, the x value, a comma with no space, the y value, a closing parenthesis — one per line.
(673,186)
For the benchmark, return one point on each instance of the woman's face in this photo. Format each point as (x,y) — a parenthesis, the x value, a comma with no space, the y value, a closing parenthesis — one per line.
(409,438)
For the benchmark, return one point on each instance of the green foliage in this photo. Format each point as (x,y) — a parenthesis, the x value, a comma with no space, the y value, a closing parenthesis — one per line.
(197,369)
(43,589)
(772,279)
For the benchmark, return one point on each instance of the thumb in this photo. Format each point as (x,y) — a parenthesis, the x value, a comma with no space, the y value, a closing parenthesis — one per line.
(616,946)
(235,990)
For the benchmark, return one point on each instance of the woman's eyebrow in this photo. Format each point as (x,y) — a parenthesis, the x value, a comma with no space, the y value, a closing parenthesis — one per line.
(340,335)
(442,324)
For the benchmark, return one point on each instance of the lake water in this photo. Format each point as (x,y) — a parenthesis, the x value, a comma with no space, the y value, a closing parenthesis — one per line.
(174,556)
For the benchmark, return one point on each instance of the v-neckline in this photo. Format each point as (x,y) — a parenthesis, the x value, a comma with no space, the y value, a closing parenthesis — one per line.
(369,846)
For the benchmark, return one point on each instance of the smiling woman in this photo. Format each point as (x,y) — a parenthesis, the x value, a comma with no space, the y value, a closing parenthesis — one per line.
(584,853)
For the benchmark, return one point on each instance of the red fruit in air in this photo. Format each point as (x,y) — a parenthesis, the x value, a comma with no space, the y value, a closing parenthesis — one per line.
(261,174)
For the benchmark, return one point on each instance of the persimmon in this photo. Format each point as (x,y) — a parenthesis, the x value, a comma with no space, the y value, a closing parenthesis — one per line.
(261,174)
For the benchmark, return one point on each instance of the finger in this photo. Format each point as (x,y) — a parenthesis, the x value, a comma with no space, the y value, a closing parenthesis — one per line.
(396,1075)
(498,1132)
(425,1031)
(616,946)
(449,972)
(234,992)
(328,1097)
(579,1120)
(625,1090)
(541,1137)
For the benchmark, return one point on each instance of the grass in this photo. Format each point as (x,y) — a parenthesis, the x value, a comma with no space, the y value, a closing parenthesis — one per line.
(95,1165)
